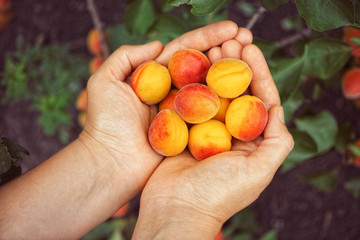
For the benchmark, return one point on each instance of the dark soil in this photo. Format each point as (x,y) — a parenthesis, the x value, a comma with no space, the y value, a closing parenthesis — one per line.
(294,208)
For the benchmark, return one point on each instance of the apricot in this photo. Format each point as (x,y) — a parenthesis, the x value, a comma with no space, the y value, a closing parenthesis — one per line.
(246,118)
(224,104)
(5,5)
(349,33)
(81,102)
(196,103)
(122,211)
(6,13)
(82,118)
(151,82)
(351,84)
(168,133)
(208,138)
(188,66)
(229,77)
(95,63)
(93,41)
(168,102)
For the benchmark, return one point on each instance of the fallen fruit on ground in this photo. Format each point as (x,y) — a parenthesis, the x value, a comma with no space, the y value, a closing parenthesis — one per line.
(208,138)
(168,133)
(229,77)
(246,118)
(151,82)
(188,66)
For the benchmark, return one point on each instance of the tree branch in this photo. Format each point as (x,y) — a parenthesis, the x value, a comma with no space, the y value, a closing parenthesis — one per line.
(255,18)
(293,38)
(99,27)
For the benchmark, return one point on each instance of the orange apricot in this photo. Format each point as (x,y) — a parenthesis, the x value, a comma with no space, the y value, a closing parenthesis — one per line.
(168,133)
(82,118)
(349,33)
(196,103)
(224,104)
(208,138)
(95,63)
(188,66)
(168,102)
(122,211)
(93,41)
(151,82)
(351,83)
(81,102)
(246,118)
(229,77)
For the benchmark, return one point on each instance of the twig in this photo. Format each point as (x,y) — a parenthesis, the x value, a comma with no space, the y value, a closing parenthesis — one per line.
(255,18)
(326,224)
(99,27)
(293,38)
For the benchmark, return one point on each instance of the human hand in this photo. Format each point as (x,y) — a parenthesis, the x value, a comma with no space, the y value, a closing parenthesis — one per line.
(187,199)
(117,121)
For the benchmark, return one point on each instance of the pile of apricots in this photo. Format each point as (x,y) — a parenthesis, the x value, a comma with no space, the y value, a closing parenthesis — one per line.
(205,109)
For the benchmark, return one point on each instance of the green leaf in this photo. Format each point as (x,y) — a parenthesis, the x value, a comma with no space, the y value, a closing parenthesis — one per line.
(102,231)
(243,236)
(266,47)
(355,150)
(247,8)
(270,235)
(166,29)
(304,149)
(317,92)
(287,75)
(322,128)
(292,104)
(344,137)
(353,186)
(323,15)
(355,40)
(325,57)
(119,35)
(199,7)
(139,16)
(244,220)
(271,5)
(14,149)
(323,181)
(5,159)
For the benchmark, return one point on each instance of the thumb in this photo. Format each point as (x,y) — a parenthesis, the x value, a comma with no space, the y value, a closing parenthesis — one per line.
(275,147)
(126,58)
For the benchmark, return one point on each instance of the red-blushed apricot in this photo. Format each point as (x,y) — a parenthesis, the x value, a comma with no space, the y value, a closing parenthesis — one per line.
(196,103)
(81,102)
(351,83)
(188,66)
(95,63)
(357,102)
(224,104)
(122,211)
(93,41)
(5,4)
(229,77)
(220,236)
(168,102)
(246,118)
(82,118)
(6,12)
(151,82)
(168,133)
(208,138)
(349,33)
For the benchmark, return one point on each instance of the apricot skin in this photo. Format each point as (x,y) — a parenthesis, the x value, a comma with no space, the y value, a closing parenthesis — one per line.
(82,118)
(151,82)
(196,103)
(350,33)
(168,102)
(208,138)
(168,133)
(229,77)
(188,66)
(224,104)
(93,41)
(81,102)
(95,63)
(246,118)
(351,84)
(122,211)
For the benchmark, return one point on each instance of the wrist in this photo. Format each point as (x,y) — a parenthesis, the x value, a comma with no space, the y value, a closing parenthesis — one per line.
(174,222)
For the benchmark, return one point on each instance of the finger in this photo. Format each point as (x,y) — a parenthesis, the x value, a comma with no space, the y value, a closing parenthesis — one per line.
(126,58)
(200,39)
(215,54)
(244,36)
(183,160)
(275,147)
(262,84)
(231,49)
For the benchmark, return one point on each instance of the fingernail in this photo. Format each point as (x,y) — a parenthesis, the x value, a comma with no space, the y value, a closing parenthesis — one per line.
(281,114)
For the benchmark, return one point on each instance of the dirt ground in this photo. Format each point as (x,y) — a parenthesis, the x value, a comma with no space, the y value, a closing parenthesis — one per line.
(297,210)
